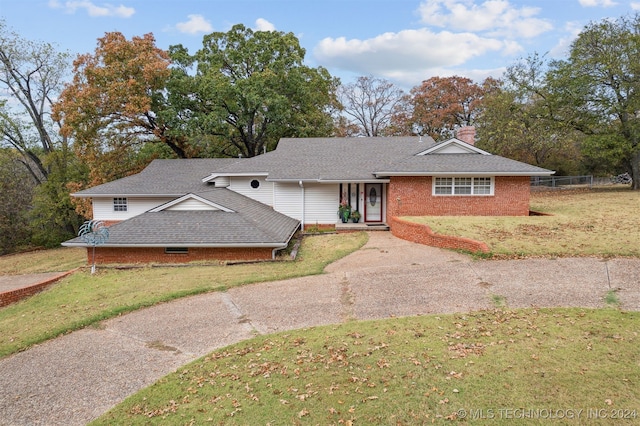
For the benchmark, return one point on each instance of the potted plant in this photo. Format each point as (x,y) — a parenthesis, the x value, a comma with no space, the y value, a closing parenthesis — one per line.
(355,216)
(344,211)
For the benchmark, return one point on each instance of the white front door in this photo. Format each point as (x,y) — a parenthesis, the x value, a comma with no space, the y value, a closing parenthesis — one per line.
(373,202)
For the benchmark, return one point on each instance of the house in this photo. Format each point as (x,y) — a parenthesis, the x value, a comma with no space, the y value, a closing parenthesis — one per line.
(185,210)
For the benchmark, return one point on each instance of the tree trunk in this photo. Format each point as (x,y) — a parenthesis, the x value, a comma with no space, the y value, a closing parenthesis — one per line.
(635,170)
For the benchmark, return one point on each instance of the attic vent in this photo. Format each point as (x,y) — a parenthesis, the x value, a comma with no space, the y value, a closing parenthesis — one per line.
(176,250)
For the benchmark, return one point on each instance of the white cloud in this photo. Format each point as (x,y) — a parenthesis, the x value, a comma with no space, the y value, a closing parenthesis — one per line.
(264,25)
(561,49)
(407,55)
(468,30)
(93,10)
(495,17)
(596,3)
(196,24)
(635,5)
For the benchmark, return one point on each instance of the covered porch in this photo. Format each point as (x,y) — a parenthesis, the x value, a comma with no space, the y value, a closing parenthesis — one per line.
(368,200)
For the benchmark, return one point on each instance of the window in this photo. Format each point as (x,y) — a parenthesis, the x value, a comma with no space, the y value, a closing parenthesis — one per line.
(255,184)
(463,186)
(482,186)
(119,204)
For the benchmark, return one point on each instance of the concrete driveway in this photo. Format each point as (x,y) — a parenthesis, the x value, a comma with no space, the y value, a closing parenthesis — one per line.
(76,378)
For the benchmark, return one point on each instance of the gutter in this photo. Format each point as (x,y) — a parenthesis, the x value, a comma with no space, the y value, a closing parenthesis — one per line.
(275,250)
(182,245)
(94,195)
(239,174)
(327,181)
(464,174)
(303,212)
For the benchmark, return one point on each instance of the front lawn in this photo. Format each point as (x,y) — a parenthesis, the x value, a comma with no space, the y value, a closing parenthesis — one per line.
(599,222)
(574,366)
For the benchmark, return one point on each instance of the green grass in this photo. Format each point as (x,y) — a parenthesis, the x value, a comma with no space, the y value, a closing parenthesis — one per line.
(499,301)
(611,299)
(83,299)
(410,371)
(57,260)
(598,222)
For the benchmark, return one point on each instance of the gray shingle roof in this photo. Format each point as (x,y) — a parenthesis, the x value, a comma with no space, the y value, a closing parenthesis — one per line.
(162,177)
(435,164)
(340,159)
(251,224)
(363,159)
(311,159)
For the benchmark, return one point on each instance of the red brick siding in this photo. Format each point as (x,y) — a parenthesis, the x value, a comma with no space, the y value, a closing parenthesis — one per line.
(412,196)
(320,226)
(12,296)
(422,234)
(105,255)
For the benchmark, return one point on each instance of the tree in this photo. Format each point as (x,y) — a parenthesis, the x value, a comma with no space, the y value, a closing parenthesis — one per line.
(518,129)
(515,121)
(112,109)
(440,105)
(249,90)
(32,75)
(370,103)
(16,187)
(597,89)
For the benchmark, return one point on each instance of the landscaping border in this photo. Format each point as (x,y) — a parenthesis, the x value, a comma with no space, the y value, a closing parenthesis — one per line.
(422,234)
(12,296)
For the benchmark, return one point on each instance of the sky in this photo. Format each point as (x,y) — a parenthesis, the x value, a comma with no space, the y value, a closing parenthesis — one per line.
(402,41)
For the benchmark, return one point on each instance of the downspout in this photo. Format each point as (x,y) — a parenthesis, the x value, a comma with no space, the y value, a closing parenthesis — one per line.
(302,220)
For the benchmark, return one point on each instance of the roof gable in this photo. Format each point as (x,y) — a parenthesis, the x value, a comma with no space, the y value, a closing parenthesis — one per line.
(454,146)
(190,202)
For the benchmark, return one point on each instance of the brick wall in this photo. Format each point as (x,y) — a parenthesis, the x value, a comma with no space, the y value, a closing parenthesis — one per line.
(12,296)
(412,196)
(422,234)
(320,226)
(105,255)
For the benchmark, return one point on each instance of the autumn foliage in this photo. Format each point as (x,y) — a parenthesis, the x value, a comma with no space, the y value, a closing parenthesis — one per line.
(108,109)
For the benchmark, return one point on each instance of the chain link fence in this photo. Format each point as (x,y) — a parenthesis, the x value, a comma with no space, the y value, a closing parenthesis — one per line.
(575,181)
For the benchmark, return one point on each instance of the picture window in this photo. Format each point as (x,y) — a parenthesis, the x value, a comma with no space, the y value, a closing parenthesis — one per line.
(463,186)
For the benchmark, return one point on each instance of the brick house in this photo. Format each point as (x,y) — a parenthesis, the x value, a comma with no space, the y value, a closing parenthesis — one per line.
(184,210)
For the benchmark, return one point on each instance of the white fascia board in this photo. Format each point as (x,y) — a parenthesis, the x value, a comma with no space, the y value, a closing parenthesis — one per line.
(125,195)
(354,181)
(330,181)
(244,174)
(465,174)
(295,180)
(187,197)
(181,245)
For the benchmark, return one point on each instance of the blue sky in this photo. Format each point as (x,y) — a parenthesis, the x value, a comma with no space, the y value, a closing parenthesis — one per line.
(404,41)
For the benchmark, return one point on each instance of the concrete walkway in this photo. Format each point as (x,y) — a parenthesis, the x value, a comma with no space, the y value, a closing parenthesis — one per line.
(76,378)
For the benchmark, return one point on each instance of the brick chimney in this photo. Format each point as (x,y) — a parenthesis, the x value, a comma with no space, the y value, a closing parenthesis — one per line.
(467,134)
